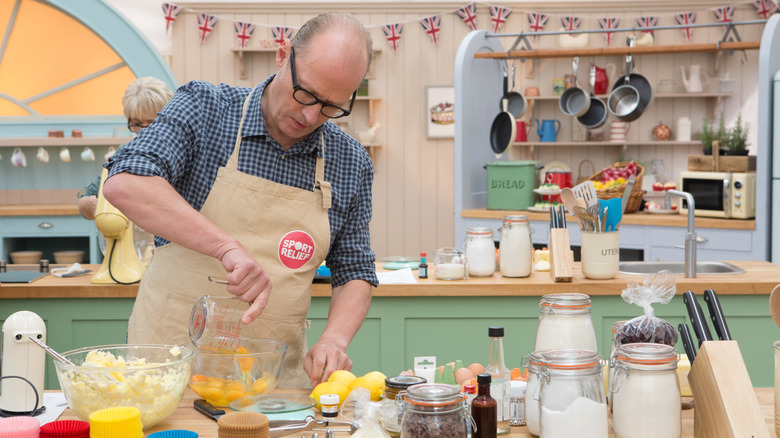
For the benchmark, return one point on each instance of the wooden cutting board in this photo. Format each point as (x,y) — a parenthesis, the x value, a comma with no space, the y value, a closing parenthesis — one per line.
(20,276)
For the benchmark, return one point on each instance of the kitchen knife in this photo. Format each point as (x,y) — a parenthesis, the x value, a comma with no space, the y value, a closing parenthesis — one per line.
(700,326)
(208,409)
(687,341)
(716,314)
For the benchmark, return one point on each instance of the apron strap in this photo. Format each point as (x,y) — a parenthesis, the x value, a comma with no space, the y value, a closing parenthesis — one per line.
(233,161)
(319,178)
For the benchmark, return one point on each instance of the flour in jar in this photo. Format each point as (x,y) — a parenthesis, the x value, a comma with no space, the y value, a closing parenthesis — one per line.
(480,251)
(647,405)
(583,418)
(516,249)
(565,331)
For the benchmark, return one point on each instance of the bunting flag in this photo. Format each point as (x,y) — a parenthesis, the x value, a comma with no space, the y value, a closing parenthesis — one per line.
(468,14)
(243,32)
(724,14)
(206,24)
(498,16)
(537,22)
(647,22)
(765,8)
(571,23)
(683,19)
(171,11)
(393,34)
(432,26)
(609,23)
(281,33)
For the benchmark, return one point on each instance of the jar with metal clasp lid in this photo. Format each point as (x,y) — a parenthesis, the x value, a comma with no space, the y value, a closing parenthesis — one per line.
(564,322)
(611,371)
(571,395)
(434,411)
(480,251)
(395,389)
(533,362)
(646,392)
(515,257)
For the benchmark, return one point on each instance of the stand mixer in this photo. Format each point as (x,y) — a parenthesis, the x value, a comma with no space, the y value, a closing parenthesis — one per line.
(121,263)
(23,360)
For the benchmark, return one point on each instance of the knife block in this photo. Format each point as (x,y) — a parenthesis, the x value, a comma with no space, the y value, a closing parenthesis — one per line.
(725,402)
(561,269)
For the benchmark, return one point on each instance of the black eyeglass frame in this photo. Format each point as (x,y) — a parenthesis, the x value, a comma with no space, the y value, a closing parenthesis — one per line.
(130,126)
(297,88)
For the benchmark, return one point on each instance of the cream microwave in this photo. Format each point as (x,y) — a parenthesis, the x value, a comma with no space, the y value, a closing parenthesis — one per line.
(720,194)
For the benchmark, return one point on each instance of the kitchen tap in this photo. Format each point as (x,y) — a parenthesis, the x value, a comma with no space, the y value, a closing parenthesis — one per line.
(690,235)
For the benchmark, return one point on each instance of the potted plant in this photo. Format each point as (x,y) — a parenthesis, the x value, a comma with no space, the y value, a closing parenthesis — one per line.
(706,136)
(737,138)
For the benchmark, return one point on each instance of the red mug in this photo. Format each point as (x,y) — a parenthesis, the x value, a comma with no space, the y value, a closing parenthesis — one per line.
(522,131)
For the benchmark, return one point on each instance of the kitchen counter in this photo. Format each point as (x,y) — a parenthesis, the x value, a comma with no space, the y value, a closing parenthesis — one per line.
(70,209)
(638,218)
(760,278)
(186,417)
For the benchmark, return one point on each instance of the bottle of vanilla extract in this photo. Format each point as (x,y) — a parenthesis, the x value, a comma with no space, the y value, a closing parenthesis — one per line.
(484,409)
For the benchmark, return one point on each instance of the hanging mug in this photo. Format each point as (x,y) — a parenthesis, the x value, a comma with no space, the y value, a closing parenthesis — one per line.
(87,154)
(65,155)
(42,155)
(18,159)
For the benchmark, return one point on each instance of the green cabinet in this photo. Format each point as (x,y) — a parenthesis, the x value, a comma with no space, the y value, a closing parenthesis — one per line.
(49,234)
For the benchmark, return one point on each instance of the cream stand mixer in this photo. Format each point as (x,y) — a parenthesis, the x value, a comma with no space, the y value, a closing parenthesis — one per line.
(120,263)
(23,364)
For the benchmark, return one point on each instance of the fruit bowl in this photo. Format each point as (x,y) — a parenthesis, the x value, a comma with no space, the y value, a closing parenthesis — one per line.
(148,376)
(253,369)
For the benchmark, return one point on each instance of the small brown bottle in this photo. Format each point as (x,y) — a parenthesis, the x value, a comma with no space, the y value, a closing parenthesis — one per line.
(484,409)
(422,269)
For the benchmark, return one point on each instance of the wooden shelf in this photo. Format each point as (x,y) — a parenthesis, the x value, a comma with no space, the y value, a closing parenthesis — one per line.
(657,96)
(62,141)
(609,143)
(239,54)
(619,51)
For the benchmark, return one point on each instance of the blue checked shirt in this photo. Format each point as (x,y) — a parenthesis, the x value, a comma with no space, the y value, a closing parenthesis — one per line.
(195,134)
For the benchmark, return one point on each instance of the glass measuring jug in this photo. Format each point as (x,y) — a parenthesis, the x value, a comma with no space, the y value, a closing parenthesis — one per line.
(215,323)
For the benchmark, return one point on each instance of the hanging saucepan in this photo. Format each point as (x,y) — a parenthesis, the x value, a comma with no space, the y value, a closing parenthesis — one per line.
(574,101)
(597,111)
(503,130)
(624,102)
(516,102)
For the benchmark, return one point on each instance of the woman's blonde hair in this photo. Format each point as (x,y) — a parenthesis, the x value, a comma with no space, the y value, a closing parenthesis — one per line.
(145,97)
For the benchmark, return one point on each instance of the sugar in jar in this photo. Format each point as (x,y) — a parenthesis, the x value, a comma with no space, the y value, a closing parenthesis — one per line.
(515,247)
(480,251)
(533,362)
(646,392)
(564,322)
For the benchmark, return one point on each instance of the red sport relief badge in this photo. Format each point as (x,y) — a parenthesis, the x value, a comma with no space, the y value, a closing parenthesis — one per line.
(295,249)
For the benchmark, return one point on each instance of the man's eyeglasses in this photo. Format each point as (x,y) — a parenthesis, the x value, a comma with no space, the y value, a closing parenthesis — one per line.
(135,127)
(306,97)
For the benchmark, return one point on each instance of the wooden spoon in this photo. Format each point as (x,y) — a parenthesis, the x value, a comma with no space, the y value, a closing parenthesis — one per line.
(568,198)
(774,304)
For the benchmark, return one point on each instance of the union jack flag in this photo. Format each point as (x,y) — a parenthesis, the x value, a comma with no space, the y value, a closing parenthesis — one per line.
(432,26)
(206,24)
(171,11)
(498,16)
(571,23)
(724,14)
(647,22)
(537,21)
(243,32)
(393,34)
(765,8)
(281,33)
(468,14)
(686,18)
(609,23)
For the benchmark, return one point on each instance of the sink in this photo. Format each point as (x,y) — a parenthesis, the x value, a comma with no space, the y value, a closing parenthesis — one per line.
(702,268)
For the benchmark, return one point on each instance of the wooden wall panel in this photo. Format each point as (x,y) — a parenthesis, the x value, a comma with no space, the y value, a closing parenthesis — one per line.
(413,184)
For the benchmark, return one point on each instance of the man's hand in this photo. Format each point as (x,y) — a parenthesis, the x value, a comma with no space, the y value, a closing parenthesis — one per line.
(323,359)
(246,280)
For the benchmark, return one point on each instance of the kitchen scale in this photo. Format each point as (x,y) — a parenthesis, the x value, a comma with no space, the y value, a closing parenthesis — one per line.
(277,406)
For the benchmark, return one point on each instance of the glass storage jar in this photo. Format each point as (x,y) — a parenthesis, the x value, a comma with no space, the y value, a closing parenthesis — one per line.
(533,362)
(572,400)
(434,411)
(480,251)
(564,323)
(515,256)
(395,388)
(611,372)
(646,392)
(451,264)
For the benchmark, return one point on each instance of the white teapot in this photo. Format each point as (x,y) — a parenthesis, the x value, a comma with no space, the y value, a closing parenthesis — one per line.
(696,80)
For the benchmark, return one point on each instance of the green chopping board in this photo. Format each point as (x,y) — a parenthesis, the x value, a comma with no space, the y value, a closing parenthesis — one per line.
(20,276)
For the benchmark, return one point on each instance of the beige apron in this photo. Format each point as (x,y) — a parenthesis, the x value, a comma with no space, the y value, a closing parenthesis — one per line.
(281,226)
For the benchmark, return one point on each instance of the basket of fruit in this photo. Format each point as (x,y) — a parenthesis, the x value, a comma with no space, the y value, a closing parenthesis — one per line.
(611,181)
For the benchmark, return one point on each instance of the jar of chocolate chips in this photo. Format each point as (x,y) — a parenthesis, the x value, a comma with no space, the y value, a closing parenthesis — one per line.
(435,411)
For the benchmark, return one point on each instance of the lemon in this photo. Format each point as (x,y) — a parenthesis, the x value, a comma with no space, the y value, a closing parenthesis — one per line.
(374,382)
(337,388)
(376,378)
(342,376)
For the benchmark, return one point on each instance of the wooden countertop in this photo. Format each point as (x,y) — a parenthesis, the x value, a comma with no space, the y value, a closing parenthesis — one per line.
(760,278)
(39,209)
(638,218)
(187,418)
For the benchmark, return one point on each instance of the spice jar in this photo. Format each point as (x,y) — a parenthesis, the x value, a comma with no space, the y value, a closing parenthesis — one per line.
(564,323)
(395,388)
(533,362)
(480,251)
(515,257)
(572,395)
(611,372)
(435,411)
(646,392)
